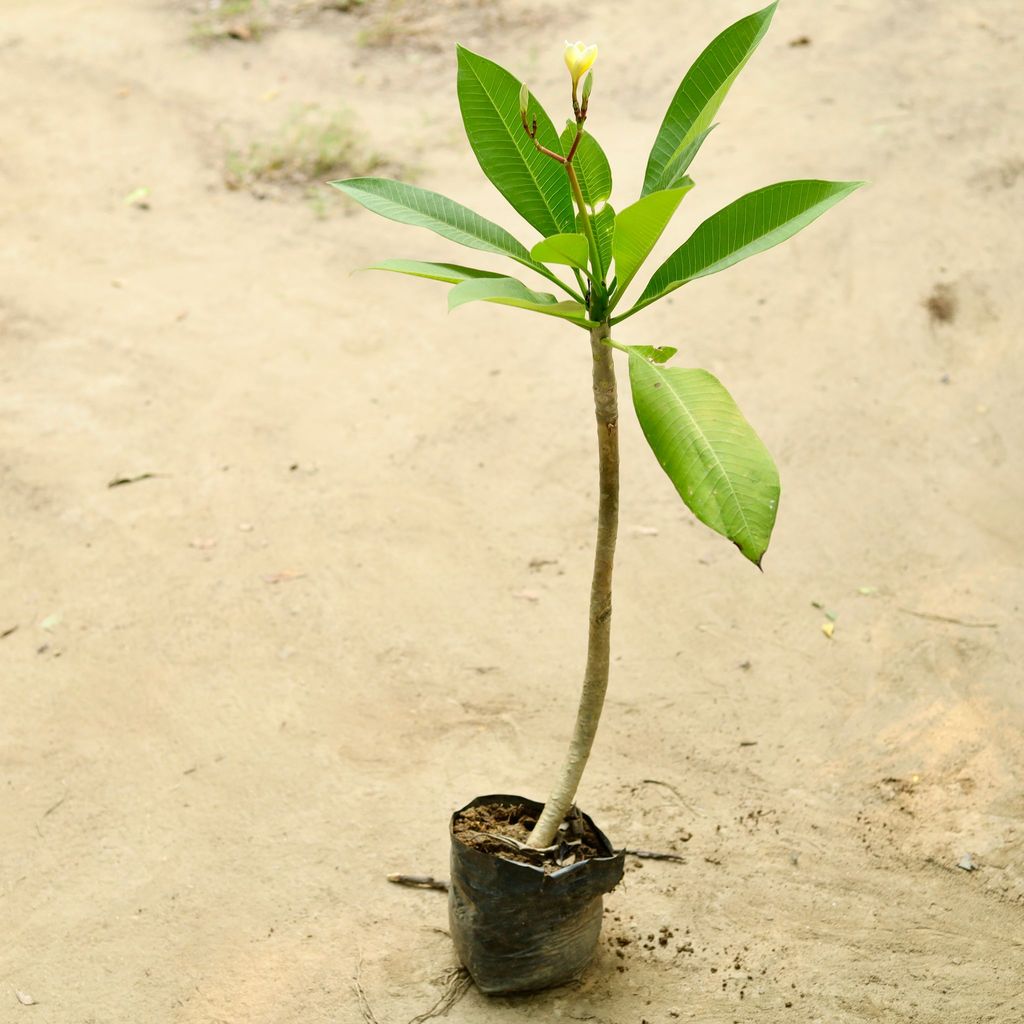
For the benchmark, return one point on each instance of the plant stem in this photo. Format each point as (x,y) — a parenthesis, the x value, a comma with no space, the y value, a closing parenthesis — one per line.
(588,230)
(595,680)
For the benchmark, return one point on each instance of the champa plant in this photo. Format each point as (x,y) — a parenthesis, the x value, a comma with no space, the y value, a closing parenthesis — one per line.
(561,183)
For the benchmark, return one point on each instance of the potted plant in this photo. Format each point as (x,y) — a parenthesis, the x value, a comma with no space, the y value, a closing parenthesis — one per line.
(527,878)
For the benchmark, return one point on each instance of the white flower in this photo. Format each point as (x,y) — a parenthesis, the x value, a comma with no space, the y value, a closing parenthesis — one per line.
(578,59)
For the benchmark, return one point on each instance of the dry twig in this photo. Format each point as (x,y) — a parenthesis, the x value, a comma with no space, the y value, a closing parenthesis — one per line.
(420,882)
(651,855)
(950,619)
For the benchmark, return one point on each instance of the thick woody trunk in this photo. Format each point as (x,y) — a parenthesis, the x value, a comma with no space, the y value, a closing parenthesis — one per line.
(595,680)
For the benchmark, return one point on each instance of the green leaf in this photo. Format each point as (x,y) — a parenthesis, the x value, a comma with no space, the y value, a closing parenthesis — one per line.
(409,204)
(452,273)
(653,353)
(753,223)
(675,173)
(637,228)
(535,185)
(572,250)
(711,454)
(591,166)
(602,224)
(509,292)
(699,96)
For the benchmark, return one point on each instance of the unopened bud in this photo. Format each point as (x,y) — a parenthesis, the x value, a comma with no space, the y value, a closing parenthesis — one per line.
(524,98)
(588,85)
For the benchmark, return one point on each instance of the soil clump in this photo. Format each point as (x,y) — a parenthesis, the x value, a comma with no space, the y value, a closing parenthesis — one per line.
(504,829)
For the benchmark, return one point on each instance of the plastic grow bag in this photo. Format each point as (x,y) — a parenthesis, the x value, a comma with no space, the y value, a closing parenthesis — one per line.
(517,928)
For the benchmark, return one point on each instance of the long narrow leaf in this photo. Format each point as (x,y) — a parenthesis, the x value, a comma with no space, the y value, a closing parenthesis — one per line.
(753,223)
(711,454)
(637,228)
(509,292)
(603,225)
(699,96)
(675,172)
(451,273)
(409,204)
(535,185)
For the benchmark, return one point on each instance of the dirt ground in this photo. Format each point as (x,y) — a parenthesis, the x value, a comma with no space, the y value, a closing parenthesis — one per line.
(352,595)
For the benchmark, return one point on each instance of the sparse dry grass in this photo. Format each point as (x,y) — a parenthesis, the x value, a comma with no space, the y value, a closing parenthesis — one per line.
(312,146)
(383,24)
(390,23)
(429,24)
(245,20)
(249,20)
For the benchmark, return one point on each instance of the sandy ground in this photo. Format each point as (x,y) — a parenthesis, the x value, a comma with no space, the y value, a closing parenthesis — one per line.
(240,692)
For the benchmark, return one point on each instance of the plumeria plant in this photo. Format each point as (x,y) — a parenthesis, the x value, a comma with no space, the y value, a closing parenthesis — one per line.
(561,183)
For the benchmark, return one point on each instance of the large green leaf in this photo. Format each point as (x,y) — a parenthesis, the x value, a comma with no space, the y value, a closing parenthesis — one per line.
(409,204)
(675,175)
(637,228)
(751,224)
(452,273)
(535,185)
(570,250)
(711,454)
(509,292)
(699,96)
(591,165)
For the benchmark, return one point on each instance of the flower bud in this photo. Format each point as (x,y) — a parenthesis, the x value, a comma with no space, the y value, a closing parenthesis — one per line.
(578,59)
(588,85)
(524,98)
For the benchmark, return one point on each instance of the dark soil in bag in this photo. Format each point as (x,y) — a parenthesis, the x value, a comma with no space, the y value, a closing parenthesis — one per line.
(524,920)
